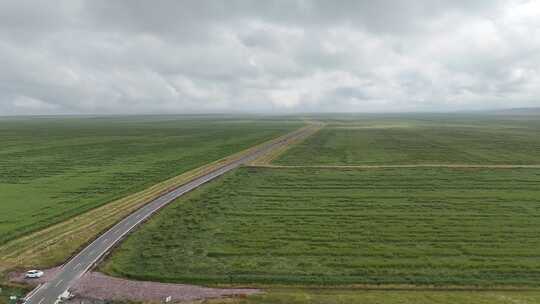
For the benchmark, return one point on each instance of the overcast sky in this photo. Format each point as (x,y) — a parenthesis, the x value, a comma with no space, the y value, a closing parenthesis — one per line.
(105,57)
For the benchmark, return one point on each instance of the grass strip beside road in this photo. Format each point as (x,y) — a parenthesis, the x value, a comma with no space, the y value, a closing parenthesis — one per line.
(355,296)
(53,245)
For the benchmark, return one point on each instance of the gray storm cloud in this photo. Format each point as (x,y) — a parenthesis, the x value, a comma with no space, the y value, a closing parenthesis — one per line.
(267,56)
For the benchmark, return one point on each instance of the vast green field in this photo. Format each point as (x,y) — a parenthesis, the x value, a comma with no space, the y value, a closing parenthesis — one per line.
(420,226)
(52,168)
(421,140)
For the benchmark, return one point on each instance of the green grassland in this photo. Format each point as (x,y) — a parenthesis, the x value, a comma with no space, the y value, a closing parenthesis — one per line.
(352,296)
(421,140)
(419,226)
(52,168)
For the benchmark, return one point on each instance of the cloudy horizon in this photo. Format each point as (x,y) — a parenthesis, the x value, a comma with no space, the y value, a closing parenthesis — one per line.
(137,57)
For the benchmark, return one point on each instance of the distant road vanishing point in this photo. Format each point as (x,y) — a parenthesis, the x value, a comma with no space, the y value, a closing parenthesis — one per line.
(86,259)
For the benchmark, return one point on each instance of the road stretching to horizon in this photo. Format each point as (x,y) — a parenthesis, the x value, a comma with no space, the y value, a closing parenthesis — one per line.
(67,276)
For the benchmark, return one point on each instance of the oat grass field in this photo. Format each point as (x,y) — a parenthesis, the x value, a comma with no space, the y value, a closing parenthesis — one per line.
(423,208)
(428,139)
(326,227)
(55,168)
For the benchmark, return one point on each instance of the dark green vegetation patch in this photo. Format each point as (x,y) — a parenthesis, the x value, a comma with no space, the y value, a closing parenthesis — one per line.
(320,226)
(427,140)
(7,291)
(54,168)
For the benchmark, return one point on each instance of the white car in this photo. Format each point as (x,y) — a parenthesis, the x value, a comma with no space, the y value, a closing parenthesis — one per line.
(34,274)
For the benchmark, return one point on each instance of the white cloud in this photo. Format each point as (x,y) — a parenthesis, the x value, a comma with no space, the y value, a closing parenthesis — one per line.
(268,56)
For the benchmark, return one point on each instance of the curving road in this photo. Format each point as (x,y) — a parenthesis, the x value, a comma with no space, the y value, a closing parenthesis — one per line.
(70,272)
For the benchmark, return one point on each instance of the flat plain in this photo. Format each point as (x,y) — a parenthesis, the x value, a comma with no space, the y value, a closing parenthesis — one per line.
(306,226)
(53,168)
(428,139)
(307,234)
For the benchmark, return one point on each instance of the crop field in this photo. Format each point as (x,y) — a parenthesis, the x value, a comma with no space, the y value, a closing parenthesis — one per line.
(428,140)
(404,226)
(52,168)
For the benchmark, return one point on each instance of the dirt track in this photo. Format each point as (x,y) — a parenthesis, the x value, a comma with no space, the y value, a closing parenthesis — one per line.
(48,274)
(100,287)
(96,285)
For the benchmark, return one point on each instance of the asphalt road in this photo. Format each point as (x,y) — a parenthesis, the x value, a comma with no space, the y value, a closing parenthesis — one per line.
(86,259)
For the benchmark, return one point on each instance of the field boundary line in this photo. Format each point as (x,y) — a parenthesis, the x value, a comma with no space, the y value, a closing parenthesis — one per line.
(384,287)
(458,166)
(56,243)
